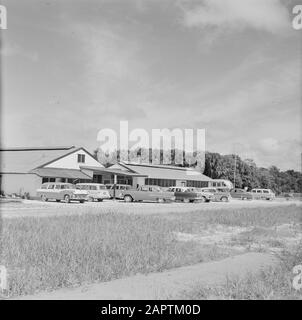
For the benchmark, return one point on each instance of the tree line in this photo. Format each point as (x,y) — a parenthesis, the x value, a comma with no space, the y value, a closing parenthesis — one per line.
(247,174)
(217,166)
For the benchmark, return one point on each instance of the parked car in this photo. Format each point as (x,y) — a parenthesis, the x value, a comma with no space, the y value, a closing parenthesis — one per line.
(119,189)
(264,194)
(241,194)
(61,191)
(190,194)
(219,194)
(288,195)
(96,191)
(148,193)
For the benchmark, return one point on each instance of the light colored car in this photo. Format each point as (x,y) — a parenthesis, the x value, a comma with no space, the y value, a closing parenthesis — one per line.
(96,191)
(148,193)
(264,194)
(190,194)
(61,191)
(119,190)
(219,194)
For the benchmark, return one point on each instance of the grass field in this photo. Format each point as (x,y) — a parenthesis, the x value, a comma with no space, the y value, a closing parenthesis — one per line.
(54,252)
(275,283)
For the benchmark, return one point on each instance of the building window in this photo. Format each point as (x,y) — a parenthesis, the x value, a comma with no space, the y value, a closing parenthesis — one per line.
(81,158)
(197,184)
(45,180)
(160,182)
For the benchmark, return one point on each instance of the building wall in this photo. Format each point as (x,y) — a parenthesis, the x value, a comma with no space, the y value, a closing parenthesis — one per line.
(20,183)
(181,183)
(71,161)
(138,181)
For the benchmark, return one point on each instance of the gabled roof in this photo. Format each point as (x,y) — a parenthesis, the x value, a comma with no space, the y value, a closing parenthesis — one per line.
(23,160)
(165,172)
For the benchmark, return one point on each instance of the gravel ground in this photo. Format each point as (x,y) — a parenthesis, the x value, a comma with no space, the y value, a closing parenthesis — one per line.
(33,208)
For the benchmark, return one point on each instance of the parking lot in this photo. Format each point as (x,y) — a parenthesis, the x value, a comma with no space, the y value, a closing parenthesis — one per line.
(33,208)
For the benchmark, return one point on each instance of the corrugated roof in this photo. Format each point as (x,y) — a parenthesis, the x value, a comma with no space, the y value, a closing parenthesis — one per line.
(166,172)
(60,173)
(24,160)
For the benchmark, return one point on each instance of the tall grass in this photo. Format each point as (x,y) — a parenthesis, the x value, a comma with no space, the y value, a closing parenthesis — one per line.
(56,252)
(242,217)
(63,251)
(274,283)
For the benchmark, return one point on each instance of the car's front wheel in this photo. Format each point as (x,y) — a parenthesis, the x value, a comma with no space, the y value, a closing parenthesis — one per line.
(224,199)
(128,198)
(67,198)
(44,198)
(203,199)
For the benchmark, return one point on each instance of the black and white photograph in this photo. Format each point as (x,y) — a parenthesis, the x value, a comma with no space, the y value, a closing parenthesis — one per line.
(150,150)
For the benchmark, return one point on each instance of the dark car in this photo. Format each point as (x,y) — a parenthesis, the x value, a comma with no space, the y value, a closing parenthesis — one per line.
(241,194)
(148,193)
(190,194)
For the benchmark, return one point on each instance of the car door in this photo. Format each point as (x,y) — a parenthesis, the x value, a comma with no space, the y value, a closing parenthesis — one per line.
(147,194)
(56,192)
(49,192)
(155,193)
(92,191)
(235,194)
(259,194)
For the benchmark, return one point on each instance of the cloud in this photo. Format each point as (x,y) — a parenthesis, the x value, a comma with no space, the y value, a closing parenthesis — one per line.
(13,49)
(268,15)
(285,154)
(268,145)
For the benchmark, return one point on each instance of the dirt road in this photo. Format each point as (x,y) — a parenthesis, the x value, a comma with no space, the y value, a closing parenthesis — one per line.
(165,285)
(31,208)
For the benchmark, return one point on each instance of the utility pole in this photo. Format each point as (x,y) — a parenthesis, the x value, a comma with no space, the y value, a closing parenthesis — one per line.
(235,170)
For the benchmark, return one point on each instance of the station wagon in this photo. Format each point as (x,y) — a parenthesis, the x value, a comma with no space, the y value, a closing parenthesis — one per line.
(61,191)
(219,194)
(96,191)
(264,194)
(119,190)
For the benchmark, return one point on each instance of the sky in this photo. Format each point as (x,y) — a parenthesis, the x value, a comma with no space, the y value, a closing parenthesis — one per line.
(231,67)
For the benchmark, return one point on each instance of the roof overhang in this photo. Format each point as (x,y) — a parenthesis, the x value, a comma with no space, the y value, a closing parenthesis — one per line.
(98,170)
(60,173)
